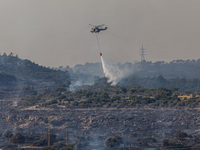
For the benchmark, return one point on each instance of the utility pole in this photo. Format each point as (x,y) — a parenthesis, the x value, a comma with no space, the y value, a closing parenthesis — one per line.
(66,137)
(48,136)
(142,53)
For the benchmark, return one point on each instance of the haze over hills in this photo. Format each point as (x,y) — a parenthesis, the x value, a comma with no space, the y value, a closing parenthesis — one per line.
(183,74)
(175,69)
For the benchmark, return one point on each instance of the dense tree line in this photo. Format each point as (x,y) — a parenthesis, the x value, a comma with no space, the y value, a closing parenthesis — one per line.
(161,82)
(112,97)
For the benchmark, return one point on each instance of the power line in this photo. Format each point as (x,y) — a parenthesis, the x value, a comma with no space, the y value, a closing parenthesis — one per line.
(142,53)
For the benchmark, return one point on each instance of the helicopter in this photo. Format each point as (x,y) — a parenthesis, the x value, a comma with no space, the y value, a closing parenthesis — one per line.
(97,29)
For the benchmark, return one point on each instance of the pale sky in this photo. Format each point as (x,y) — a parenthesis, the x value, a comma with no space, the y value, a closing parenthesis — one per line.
(56,32)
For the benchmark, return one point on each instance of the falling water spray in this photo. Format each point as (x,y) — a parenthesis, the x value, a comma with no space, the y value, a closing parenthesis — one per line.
(115,72)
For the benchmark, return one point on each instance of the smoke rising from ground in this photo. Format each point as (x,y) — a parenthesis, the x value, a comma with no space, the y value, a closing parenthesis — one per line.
(116,72)
(75,84)
(90,73)
(82,75)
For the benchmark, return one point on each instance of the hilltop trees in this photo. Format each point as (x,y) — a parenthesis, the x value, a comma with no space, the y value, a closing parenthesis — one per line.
(27,72)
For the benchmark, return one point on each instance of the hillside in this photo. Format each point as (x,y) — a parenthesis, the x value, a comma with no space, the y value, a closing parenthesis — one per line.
(6,80)
(140,117)
(106,96)
(27,72)
(89,128)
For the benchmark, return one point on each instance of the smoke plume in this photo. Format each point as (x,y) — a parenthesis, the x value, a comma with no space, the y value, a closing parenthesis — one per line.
(116,72)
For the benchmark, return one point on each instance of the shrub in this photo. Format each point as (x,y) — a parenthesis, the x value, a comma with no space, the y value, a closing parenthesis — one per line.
(170,144)
(43,140)
(49,148)
(180,135)
(58,145)
(113,141)
(69,147)
(17,138)
(124,90)
(165,142)
(51,102)
(7,134)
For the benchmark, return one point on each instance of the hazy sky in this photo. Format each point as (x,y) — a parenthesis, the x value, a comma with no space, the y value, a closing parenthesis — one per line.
(56,32)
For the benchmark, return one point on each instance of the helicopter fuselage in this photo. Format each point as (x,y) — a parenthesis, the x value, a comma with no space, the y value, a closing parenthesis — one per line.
(97,30)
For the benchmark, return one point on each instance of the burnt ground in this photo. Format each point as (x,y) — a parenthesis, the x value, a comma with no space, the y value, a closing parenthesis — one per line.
(139,128)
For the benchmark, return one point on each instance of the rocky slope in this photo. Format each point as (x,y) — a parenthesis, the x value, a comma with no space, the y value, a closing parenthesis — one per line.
(139,128)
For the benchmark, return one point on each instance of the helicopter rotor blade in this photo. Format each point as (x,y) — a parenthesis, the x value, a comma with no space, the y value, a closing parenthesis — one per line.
(100,25)
(91,25)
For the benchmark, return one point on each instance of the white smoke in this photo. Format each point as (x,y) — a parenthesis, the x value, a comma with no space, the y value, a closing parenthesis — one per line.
(15,102)
(116,72)
(76,84)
